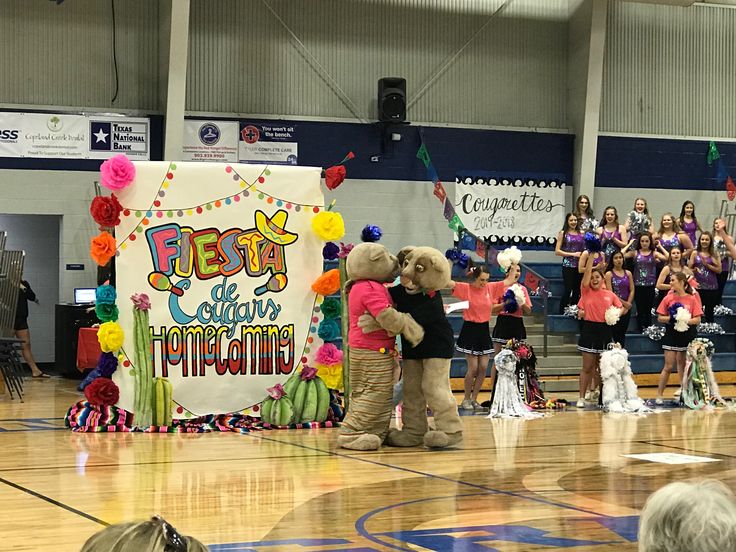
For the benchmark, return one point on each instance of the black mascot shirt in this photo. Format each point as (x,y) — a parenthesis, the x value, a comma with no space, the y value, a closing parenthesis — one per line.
(429,312)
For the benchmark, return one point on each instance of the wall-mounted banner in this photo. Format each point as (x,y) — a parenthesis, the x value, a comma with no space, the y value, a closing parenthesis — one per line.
(64,136)
(211,141)
(509,209)
(273,142)
(227,256)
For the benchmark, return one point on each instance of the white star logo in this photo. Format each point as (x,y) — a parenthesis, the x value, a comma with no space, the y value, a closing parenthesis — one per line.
(101,136)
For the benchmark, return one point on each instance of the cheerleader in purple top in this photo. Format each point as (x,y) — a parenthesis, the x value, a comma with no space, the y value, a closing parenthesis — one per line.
(621,282)
(706,264)
(688,222)
(613,235)
(645,277)
(570,246)
(669,236)
(726,251)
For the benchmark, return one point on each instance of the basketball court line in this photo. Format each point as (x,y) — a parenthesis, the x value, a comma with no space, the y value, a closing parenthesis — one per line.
(687,449)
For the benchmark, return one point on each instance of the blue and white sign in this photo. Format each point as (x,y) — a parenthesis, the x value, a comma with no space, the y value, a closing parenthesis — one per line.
(211,141)
(110,136)
(274,143)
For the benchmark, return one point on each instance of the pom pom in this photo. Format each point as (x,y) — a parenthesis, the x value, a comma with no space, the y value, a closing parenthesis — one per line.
(612,315)
(106,312)
(507,257)
(518,294)
(331,375)
(105,294)
(328,355)
(452,255)
(672,310)
(655,333)
(110,335)
(106,210)
(107,364)
(682,317)
(571,311)
(721,310)
(276,392)
(102,248)
(331,308)
(371,233)
(589,225)
(509,301)
(330,251)
(345,249)
(328,283)
(710,328)
(334,176)
(117,172)
(308,373)
(329,330)
(102,392)
(463,261)
(141,301)
(638,223)
(328,225)
(592,242)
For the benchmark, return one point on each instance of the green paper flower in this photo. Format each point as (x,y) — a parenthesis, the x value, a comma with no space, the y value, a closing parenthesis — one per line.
(106,312)
(331,308)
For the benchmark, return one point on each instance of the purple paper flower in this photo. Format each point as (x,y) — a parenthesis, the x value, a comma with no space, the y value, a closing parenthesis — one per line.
(276,392)
(330,251)
(308,373)
(141,301)
(345,249)
(107,364)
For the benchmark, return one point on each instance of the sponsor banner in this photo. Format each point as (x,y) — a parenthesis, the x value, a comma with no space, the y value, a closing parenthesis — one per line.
(510,209)
(64,136)
(110,136)
(227,255)
(273,143)
(211,141)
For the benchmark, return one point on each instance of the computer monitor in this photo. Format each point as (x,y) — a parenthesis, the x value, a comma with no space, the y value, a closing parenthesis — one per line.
(84,296)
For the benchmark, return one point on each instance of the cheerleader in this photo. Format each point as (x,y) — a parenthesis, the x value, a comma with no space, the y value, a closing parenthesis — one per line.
(669,236)
(621,282)
(688,222)
(706,265)
(584,212)
(638,220)
(570,246)
(612,234)
(510,302)
(726,251)
(674,266)
(475,335)
(645,277)
(595,333)
(680,329)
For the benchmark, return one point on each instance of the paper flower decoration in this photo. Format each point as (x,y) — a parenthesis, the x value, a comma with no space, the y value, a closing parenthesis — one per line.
(328,330)
(308,373)
(102,248)
(106,312)
(107,364)
(106,210)
(328,283)
(141,301)
(105,294)
(117,172)
(328,355)
(331,308)
(345,249)
(328,225)
(330,251)
(102,392)
(110,335)
(276,392)
(334,176)
(371,233)
(331,375)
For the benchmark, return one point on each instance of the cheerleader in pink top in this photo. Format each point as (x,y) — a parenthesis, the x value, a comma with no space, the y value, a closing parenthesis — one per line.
(475,335)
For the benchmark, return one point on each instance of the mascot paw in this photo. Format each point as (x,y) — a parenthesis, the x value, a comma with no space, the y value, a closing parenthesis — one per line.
(366,441)
(439,439)
(368,324)
(413,332)
(398,438)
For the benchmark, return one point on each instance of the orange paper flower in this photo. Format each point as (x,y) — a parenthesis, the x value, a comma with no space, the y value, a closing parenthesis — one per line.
(328,283)
(102,248)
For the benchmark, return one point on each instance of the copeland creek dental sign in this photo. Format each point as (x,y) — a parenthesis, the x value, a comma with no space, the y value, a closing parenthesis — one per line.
(510,210)
(227,255)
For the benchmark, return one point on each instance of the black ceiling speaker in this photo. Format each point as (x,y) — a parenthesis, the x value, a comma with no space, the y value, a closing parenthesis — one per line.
(392,100)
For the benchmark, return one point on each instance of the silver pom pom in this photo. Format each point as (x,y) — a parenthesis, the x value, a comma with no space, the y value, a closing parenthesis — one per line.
(721,310)
(710,328)
(571,311)
(655,333)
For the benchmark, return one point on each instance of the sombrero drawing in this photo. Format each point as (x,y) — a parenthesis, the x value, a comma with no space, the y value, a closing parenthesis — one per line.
(273,228)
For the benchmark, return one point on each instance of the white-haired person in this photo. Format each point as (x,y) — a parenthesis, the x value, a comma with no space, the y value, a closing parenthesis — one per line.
(689,516)
(510,303)
(154,535)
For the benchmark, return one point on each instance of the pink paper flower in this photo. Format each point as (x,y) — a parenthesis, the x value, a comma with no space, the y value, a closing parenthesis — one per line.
(345,250)
(276,392)
(117,172)
(329,355)
(308,373)
(141,301)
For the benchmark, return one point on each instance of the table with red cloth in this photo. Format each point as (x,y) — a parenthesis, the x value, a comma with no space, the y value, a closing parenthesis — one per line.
(88,349)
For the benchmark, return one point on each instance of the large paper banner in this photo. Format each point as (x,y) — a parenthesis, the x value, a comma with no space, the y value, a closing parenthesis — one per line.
(227,255)
(510,210)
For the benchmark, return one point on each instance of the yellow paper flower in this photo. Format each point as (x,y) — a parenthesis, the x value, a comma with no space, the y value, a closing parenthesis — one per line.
(328,225)
(110,335)
(331,375)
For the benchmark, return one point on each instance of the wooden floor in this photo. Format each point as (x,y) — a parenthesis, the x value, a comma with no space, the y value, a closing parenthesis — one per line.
(547,484)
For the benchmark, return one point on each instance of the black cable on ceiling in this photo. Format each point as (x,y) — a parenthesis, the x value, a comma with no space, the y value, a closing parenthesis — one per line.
(114,52)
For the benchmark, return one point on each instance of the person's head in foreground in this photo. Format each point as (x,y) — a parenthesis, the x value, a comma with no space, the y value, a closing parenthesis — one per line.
(689,516)
(155,535)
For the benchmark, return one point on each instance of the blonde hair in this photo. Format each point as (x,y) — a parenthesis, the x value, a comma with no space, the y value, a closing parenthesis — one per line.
(147,536)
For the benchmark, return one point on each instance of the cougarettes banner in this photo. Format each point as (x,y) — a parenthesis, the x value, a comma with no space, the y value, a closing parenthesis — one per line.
(227,255)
